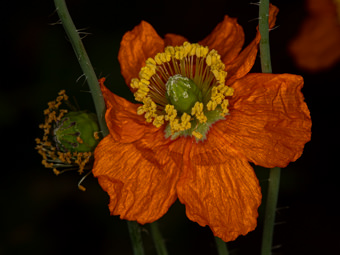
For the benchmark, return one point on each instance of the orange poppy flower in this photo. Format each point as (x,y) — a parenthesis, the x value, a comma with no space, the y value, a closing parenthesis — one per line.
(317,46)
(198,148)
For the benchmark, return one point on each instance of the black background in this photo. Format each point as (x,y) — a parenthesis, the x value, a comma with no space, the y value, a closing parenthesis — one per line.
(45,214)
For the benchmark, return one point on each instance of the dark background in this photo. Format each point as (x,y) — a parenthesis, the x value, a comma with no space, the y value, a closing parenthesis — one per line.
(46,214)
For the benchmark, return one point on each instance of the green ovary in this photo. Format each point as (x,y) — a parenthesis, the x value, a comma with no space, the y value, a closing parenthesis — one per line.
(75,132)
(183,93)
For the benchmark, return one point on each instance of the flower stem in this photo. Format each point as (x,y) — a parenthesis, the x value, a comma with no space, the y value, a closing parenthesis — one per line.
(221,246)
(136,237)
(84,62)
(266,65)
(97,97)
(157,239)
(274,174)
(272,195)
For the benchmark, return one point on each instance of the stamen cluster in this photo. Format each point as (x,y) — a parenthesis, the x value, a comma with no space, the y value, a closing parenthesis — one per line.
(196,62)
(53,156)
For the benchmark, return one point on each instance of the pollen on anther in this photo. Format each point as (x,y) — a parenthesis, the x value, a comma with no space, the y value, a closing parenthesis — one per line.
(197,111)
(197,135)
(196,62)
(79,140)
(96,135)
(81,187)
(56,171)
(171,112)
(158,121)
(185,122)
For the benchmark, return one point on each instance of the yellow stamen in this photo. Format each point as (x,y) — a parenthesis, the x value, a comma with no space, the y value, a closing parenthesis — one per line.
(81,187)
(197,135)
(185,122)
(96,135)
(149,108)
(46,164)
(224,107)
(159,121)
(196,62)
(171,112)
(197,111)
(56,171)
(146,72)
(217,97)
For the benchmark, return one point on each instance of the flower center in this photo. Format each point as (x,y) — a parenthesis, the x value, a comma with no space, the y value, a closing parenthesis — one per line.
(184,88)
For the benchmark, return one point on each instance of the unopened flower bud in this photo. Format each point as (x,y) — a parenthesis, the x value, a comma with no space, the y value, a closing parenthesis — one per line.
(76,131)
(183,93)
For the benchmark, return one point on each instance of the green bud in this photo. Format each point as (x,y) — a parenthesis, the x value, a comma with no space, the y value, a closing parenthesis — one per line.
(76,132)
(183,93)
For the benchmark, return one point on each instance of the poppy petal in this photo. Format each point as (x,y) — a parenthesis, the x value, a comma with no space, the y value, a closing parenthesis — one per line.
(227,38)
(174,40)
(269,122)
(122,120)
(242,64)
(224,196)
(136,47)
(141,184)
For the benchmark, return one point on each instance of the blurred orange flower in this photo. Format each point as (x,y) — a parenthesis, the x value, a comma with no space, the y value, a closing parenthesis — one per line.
(157,152)
(317,46)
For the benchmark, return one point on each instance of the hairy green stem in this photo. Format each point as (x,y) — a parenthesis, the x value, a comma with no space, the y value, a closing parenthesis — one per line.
(270,210)
(97,96)
(157,239)
(274,174)
(84,62)
(136,237)
(266,65)
(221,246)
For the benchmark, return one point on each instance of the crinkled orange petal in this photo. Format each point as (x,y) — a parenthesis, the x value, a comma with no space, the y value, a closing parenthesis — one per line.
(174,40)
(227,38)
(273,11)
(140,177)
(317,45)
(136,47)
(124,124)
(219,189)
(269,122)
(242,64)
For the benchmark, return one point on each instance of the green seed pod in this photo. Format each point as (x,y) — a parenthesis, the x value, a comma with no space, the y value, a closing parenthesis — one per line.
(77,132)
(183,93)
